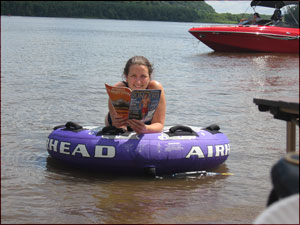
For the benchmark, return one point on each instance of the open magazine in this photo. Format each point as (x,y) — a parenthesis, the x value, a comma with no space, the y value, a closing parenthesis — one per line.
(136,104)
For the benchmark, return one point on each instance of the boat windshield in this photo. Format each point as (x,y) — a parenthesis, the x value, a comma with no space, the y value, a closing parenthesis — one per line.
(286,14)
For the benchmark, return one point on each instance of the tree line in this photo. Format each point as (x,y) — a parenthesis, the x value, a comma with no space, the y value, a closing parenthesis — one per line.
(178,11)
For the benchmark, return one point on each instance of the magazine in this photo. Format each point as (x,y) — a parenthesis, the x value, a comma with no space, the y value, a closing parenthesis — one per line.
(136,104)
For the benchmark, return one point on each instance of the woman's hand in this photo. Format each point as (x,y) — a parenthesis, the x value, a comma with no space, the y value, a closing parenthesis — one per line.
(138,126)
(119,121)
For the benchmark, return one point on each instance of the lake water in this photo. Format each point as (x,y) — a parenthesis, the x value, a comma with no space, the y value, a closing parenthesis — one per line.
(53,70)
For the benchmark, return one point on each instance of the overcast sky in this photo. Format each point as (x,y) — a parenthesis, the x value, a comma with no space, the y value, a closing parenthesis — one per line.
(236,7)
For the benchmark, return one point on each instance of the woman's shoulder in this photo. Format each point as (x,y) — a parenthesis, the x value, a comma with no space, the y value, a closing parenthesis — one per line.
(153,84)
(120,84)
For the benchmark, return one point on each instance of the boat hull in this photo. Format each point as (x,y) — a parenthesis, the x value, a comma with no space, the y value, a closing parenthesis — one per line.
(249,38)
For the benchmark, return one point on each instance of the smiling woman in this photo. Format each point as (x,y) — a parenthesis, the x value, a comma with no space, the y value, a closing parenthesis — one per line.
(137,74)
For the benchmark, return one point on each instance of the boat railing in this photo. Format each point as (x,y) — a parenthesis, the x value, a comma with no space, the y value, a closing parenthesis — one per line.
(260,23)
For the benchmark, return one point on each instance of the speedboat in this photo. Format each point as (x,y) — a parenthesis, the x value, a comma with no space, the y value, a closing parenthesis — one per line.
(262,36)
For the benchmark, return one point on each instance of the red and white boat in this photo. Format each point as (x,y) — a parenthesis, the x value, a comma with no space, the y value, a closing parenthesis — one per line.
(264,36)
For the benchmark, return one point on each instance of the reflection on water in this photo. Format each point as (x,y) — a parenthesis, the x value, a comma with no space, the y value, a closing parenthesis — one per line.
(54,70)
(263,69)
(142,200)
(132,199)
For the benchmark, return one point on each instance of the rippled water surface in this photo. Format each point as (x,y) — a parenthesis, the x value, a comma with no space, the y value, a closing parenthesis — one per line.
(53,70)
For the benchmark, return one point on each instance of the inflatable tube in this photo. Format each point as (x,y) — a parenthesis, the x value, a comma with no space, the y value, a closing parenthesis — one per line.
(176,149)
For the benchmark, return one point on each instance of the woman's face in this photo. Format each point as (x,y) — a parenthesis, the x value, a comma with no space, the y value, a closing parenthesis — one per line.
(138,77)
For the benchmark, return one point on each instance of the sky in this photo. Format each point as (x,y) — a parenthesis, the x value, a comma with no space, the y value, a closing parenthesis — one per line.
(237,7)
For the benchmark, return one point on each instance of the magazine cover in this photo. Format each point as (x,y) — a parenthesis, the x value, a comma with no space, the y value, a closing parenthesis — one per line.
(120,98)
(143,104)
(136,104)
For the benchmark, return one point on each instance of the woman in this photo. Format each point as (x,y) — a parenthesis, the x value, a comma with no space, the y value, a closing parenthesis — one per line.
(137,72)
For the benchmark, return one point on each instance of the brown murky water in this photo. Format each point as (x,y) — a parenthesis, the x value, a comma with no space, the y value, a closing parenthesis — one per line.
(53,70)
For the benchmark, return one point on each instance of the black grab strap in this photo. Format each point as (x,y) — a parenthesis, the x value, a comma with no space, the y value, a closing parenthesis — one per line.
(59,126)
(111,130)
(180,130)
(70,126)
(213,129)
(73,126)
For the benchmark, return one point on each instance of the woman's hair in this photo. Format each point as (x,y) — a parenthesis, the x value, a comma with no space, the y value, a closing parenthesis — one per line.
(138,60)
